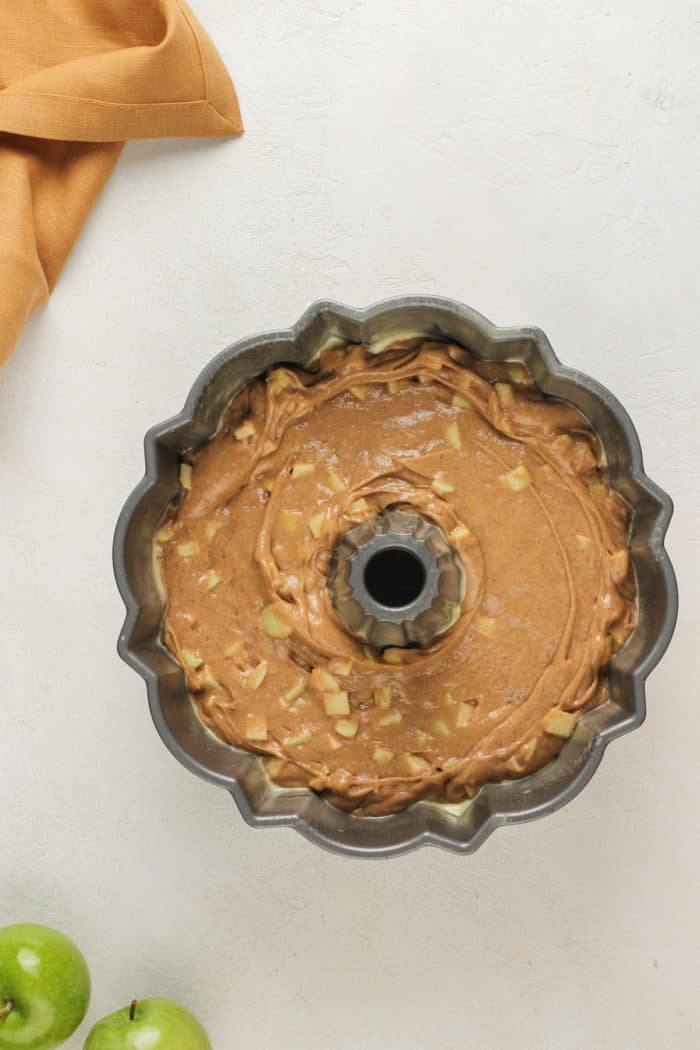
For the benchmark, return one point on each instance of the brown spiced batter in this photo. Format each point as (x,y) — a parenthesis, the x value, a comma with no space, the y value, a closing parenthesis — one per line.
(515,483)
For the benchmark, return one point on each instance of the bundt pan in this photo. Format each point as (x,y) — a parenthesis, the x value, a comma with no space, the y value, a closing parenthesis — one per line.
(424,823)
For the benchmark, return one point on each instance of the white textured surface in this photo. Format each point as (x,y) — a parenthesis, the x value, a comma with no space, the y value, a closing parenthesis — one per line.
(540,162)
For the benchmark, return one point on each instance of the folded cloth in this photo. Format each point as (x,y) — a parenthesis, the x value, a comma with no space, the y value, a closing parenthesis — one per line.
(77,79)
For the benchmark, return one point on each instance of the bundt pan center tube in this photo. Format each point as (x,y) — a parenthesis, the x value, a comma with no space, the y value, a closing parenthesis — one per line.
(396,579)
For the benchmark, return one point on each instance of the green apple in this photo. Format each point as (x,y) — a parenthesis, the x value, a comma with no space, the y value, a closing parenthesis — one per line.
(44,988)
(149,1024)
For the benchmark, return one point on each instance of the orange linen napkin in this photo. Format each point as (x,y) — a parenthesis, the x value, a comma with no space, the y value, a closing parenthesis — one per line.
(78,78)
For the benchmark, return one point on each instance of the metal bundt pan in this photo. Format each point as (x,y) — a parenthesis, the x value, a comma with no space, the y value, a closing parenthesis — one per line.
(263,805)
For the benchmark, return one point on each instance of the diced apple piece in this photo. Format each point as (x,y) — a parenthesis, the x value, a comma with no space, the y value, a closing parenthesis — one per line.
(519,762)
(340,666)
(465,712)
(392,718)
(393,386)
(235,648)
(442,487)
(324,681)
(165,533)
(193,660)
(414,764)
(274,624)
(333,743)
(302,470)
(336,704)
(486,625)
(299,740)
(273,766)
(336,482)
(212,579)
(256,728)
(267,450)
(317,522)
(504,391)
(347,727)
(245,430)
(619,565)
(207,678)
(461,402)
(517,373)
(290,521)
(281,378)
(383,695)
(360,506)
(392,656)
(382,756)
(441,727)
(460,534)
(295,692)
(559,723)
(256,677)
(187,550)
(517,479)
(186,475)
(421,738)
(360,392)
(582,542)
(453,436)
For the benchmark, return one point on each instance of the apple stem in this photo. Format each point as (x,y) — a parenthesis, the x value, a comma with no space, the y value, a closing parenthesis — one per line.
(7,1009)
(132,1009)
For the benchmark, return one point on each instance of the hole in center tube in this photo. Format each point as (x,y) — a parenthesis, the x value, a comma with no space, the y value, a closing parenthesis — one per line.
(394,577)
